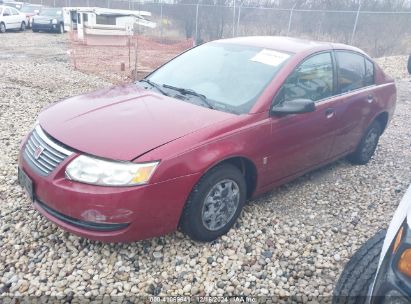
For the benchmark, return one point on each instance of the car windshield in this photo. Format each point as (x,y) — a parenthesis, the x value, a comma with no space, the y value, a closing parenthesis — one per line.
(29,9)
(50,12)
(229,76)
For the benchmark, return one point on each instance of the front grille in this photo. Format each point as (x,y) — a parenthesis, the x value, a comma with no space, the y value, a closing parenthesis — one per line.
(43,153)
(43,21)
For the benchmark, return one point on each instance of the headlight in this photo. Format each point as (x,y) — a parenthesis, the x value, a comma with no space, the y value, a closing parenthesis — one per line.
(96,171)
(54,21)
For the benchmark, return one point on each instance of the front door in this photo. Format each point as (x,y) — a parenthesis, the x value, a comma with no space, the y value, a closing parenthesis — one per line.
(301,141)
(8,19)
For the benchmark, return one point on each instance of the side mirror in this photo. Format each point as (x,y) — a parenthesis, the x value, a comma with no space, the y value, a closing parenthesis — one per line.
(36,11)
(295,106)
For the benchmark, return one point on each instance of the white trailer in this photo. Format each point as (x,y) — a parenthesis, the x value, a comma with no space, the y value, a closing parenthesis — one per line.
(97,21)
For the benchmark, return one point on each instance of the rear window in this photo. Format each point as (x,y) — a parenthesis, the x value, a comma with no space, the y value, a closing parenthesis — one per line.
(354,71)
(51,12)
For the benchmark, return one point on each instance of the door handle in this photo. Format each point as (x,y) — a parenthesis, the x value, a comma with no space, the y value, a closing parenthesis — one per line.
(370,98)
(329,113)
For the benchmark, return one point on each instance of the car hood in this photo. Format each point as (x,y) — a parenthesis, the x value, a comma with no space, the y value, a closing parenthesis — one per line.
(38,18)
(124,122)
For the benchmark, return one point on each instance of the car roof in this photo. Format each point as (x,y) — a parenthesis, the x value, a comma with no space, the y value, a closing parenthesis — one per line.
(287,44)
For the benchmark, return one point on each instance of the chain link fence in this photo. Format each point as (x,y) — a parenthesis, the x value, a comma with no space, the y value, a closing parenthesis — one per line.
(180,26)
(377,32)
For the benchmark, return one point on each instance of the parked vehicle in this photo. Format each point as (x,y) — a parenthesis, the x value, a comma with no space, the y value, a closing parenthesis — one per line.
(11,19)
(15,4)
(30,11)
(189,144)
(380,271)
(49,19)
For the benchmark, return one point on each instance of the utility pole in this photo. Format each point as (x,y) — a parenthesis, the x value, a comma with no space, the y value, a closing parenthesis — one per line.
(233,18)
(356,23)
(291,17)
(196,35)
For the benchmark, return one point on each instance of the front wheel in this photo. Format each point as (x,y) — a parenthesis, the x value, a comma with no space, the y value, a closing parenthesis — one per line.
(368,144)
(23,26)
(214,204)
(2,27)
(358,274)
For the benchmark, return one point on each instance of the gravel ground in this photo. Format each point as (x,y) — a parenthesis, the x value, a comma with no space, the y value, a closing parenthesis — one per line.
(292,241)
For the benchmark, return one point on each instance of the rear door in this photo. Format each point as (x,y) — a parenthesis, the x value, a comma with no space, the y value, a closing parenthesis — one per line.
(355,85)
(301,141)
(16,18)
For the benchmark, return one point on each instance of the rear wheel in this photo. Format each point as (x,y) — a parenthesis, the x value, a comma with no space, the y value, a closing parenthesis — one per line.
(35,31)
(214,204)
(23,26)
(2,27)
(358,274)
(367,145)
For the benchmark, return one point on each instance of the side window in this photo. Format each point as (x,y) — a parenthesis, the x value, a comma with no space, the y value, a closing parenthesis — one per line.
(351,71)
(105,20)
(85,17)
(313,79)
(14,11)
(369,73)
(6,12)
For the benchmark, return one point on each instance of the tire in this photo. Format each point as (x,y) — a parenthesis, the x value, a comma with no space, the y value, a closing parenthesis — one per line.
(409,64)
(2,27)
(358,274)
(198,220)
(35,31)
(368,144)
(23,26)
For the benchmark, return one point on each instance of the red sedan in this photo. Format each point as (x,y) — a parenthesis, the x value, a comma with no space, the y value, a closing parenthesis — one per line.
(189,144)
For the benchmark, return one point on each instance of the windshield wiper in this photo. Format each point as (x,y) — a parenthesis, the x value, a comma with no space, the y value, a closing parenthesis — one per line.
(190,92)
(154,85)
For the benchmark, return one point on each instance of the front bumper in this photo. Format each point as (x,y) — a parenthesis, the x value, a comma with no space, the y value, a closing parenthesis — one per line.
(390,285)
(109,214)
(45,27)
